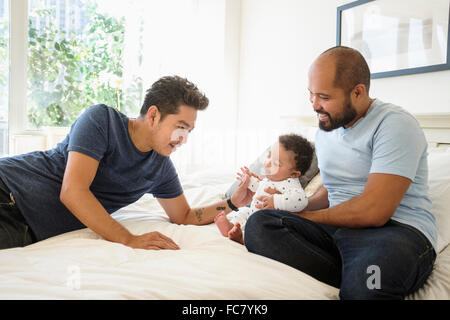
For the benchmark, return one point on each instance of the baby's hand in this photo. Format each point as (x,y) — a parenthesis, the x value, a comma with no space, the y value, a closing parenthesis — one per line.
(265,202)
(246,171)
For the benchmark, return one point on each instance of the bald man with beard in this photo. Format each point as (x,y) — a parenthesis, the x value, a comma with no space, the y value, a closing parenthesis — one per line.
(369,229)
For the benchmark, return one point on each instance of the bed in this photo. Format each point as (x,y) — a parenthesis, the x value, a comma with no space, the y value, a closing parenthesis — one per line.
(81,265)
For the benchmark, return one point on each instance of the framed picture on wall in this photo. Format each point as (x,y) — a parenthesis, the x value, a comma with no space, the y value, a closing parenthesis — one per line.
(397,37)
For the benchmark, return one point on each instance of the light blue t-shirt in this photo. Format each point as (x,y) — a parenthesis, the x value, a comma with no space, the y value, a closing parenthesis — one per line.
(387,140)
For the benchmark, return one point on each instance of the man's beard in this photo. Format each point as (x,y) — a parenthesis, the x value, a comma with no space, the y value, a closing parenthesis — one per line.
(347,116)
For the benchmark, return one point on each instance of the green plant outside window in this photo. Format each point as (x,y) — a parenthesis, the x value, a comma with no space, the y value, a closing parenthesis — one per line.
(69,72)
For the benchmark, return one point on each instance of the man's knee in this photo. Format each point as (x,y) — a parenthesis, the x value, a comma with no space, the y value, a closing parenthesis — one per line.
(364,280)
(387,263)
(259,229)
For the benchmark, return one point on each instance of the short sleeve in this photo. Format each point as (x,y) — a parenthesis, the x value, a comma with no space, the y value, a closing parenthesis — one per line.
(170,186)
(89,133)
(398,146)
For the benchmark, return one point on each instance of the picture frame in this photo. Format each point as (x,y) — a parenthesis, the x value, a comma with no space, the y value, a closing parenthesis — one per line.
(399,37)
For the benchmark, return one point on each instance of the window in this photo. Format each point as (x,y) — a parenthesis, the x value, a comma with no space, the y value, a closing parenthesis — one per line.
(67,55)
(76,59)
(4,75)
(85,52)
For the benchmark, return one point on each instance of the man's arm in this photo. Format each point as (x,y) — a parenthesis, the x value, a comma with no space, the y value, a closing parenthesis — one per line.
(373,208)
(77,197)
(319,200)
(180,212)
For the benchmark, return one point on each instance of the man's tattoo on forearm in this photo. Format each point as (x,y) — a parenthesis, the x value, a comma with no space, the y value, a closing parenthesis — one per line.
(220,208)
(198,214)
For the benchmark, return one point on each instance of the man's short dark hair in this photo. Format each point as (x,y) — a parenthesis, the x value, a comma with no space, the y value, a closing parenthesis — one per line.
(351,68)
(169,92)
(302,149)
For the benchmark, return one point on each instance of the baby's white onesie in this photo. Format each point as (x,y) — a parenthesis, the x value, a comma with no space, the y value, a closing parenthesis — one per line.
(292,198)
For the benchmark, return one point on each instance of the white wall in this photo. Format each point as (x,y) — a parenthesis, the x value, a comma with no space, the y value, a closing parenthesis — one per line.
(280,39)
(268,46)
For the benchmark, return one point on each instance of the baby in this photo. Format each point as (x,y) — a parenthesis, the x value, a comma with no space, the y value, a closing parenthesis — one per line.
(280,189)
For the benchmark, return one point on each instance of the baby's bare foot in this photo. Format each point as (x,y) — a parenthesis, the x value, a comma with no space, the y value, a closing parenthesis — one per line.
(223,224)
(235,233)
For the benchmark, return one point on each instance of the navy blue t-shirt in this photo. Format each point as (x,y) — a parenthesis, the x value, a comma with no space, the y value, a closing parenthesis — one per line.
(124,173)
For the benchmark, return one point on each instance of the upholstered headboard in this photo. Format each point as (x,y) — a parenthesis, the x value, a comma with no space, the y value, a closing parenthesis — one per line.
(436,127)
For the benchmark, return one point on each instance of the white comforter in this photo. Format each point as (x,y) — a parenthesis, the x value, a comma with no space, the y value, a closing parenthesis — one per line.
(81,265)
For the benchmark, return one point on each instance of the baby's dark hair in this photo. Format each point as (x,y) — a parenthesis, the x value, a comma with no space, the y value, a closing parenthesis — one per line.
(302,149)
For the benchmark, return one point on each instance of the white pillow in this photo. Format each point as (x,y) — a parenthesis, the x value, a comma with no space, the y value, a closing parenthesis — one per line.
(439,192)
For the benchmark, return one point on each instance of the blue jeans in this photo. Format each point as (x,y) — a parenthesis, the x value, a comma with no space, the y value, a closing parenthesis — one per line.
(14,230)
(388,262)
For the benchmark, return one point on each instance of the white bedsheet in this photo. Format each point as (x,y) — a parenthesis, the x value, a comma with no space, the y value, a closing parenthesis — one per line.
(81,265)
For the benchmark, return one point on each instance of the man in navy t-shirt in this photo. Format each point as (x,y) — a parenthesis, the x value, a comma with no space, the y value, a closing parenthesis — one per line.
(106,162)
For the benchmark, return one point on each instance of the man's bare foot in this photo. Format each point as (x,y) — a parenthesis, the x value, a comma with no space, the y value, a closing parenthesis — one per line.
(235,233)
(223,224)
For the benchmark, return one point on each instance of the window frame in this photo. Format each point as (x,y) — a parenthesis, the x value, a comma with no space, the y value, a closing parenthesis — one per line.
(18,55)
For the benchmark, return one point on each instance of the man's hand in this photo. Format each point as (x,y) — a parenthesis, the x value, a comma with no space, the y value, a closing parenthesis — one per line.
(242,196)
(266,202)
(152,240)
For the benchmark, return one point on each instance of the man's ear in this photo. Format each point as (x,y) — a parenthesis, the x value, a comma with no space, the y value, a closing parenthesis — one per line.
(153,115)
(359,91)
